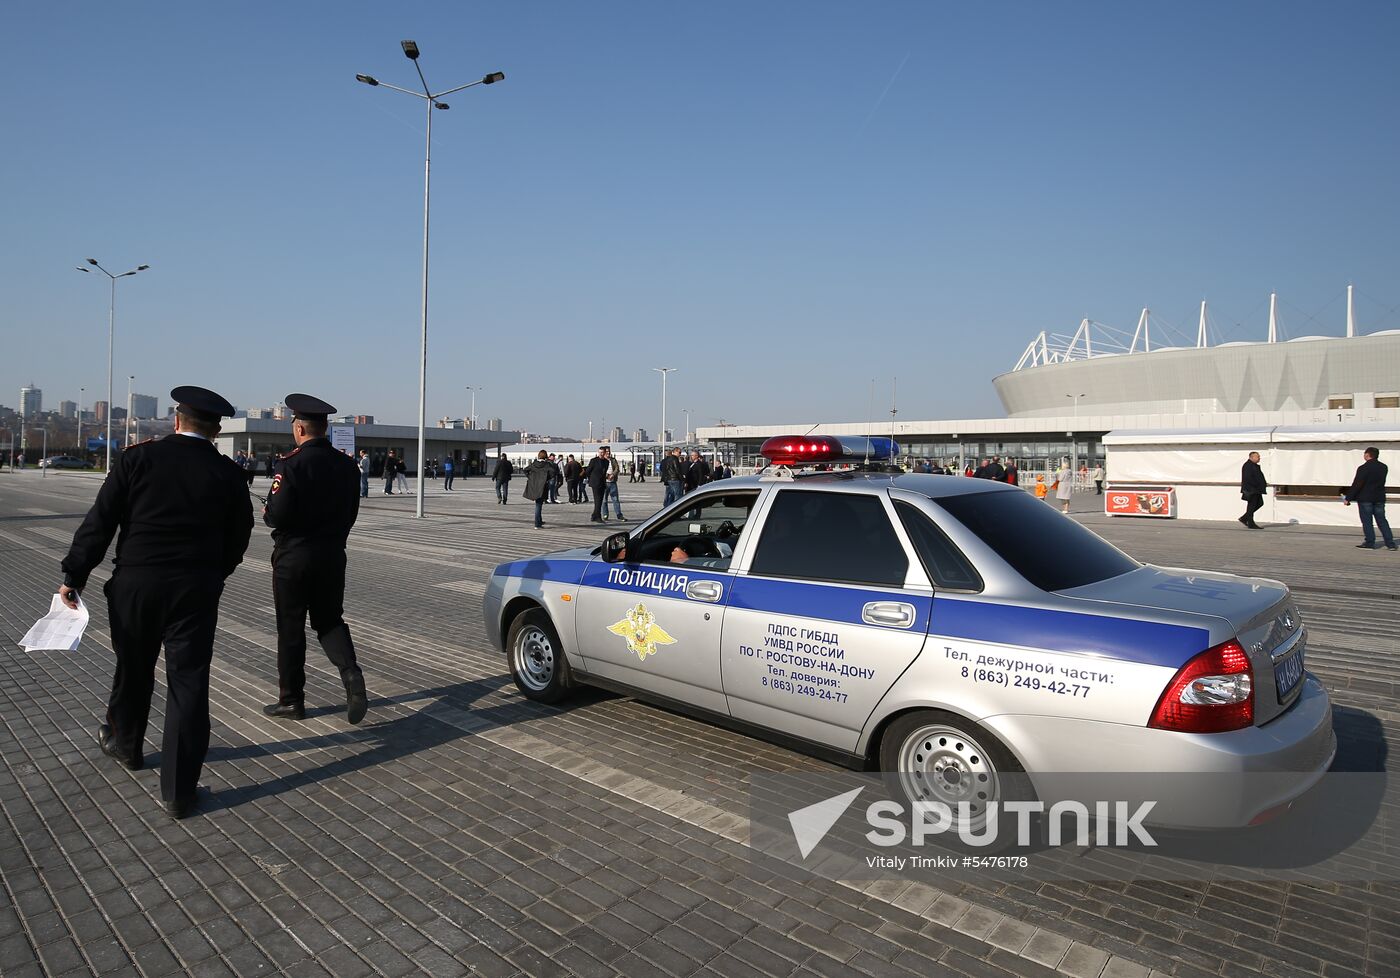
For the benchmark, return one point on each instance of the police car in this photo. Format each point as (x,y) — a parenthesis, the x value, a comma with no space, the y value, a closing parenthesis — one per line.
(951,632)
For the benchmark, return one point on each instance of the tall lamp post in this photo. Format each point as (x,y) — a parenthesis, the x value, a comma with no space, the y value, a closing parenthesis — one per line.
(111,333)
(473,393)
(663,371)
(126,437)
(410,50)
(1074,441)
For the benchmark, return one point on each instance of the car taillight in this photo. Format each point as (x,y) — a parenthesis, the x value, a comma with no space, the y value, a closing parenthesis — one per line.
(1212,693)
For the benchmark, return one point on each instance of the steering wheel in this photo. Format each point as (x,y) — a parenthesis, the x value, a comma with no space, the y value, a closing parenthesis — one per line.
(727,529)
(701,548)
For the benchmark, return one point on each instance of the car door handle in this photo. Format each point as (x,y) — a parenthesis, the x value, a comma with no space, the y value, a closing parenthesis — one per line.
(892,614)
(710,591)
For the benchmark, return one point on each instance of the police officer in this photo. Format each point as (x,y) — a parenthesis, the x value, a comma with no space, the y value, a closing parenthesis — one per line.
(185,519)
(311,507)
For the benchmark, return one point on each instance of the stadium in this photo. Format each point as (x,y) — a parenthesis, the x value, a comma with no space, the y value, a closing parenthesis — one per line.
(1066,392)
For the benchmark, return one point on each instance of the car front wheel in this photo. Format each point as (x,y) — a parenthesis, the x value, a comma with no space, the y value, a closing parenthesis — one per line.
(537,662)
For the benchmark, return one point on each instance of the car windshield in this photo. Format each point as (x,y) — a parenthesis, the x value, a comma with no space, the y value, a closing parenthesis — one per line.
(1048,549)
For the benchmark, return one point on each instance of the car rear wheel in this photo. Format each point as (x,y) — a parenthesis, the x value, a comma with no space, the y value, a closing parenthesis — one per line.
(537,662)
(938,757)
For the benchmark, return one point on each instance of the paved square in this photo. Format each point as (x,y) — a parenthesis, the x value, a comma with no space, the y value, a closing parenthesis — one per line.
(464,830)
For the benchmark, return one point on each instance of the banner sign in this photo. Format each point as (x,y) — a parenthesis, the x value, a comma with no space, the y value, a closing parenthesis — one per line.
(343,438)
(1140,501)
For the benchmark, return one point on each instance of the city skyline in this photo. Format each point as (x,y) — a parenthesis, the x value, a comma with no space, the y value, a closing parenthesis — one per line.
(848,194)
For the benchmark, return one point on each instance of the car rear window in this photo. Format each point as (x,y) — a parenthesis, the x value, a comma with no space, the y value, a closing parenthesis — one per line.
(1048,549)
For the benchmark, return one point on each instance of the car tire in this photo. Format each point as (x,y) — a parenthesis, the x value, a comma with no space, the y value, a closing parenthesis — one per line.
(536,656)
(936,756)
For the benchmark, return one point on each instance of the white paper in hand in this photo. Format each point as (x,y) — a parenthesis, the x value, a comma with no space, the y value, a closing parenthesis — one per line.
(61,629)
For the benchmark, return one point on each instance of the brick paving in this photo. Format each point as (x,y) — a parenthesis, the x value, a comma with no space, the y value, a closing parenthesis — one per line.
(463,830)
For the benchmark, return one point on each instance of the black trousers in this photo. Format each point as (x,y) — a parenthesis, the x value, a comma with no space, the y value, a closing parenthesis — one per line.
(599,491)
(1254,504)
(308,582)
(146,610)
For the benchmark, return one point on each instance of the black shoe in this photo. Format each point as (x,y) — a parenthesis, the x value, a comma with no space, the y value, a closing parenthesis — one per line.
(1253,525)
(180,808)
(286,711)
(1243,520)
(1365,546)
(1393,546)
(104,740)
(356,702)
(594,519)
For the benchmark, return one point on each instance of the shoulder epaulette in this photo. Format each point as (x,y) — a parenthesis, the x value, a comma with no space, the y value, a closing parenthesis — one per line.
(146,441)
(294,451)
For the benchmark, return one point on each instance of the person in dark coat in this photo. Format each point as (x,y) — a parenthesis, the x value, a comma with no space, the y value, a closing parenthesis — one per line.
(1253,485)
(673,476)
(1368,492)
(697,473)
(311,507)
(185,519)
(539,476)
(500,475)
(573,473)
(601,476)
(391,469)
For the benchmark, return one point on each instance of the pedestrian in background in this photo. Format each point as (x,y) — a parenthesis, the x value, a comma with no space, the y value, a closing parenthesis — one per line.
(400,478)
(448,471)
(389,472)
(538,476)
(673,476)
(602,479)
(365,465)
(1368,492)
(556,478)
(697,473)
(1253,485)
(1012,475)
(500,475)
(572,472)
(1064,485)
(185,519)
(1098,478)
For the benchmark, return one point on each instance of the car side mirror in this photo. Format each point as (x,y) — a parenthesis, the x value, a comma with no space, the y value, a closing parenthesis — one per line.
(614,547)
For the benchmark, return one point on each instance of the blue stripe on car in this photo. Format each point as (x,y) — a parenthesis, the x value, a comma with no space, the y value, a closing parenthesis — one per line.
(1125,639)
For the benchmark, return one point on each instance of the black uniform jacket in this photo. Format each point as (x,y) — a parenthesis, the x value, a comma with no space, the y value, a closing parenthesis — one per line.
(314,499)
(1252,479)
(672,469)
(181,507)
(1369,484)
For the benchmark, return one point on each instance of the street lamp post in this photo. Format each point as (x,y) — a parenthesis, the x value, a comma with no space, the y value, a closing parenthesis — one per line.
(1074,441)
(686,412)
(126,435)
(473,393)
(410,50)
(111,333)
(663,371)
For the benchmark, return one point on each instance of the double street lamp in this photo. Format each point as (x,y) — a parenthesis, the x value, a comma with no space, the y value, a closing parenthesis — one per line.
(433,101)
(111,332)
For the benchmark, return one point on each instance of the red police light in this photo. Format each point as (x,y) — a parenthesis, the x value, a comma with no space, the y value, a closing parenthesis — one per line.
(785,450)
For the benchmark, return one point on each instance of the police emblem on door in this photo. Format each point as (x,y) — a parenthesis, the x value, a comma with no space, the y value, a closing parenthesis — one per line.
(641,631)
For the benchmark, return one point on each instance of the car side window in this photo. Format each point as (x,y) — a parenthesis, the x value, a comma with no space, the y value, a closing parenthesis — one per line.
(830,536)
(703,533)
(947,566)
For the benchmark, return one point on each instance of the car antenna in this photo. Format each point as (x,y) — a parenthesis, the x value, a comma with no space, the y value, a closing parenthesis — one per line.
(894,409)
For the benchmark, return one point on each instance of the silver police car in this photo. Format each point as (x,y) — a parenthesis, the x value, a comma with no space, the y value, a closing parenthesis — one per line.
(952,632)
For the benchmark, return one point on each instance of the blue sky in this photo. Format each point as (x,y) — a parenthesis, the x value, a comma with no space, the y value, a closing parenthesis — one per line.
(785,200)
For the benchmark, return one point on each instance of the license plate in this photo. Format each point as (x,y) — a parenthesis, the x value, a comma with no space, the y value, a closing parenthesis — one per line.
(1287,672)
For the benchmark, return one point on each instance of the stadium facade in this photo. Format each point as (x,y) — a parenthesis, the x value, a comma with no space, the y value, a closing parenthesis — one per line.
(1066,392)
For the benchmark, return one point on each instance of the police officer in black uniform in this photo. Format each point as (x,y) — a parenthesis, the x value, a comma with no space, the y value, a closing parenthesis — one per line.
(185,519)
(311,507)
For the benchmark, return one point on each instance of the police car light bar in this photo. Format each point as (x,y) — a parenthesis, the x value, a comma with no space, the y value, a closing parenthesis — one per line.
(819,449)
